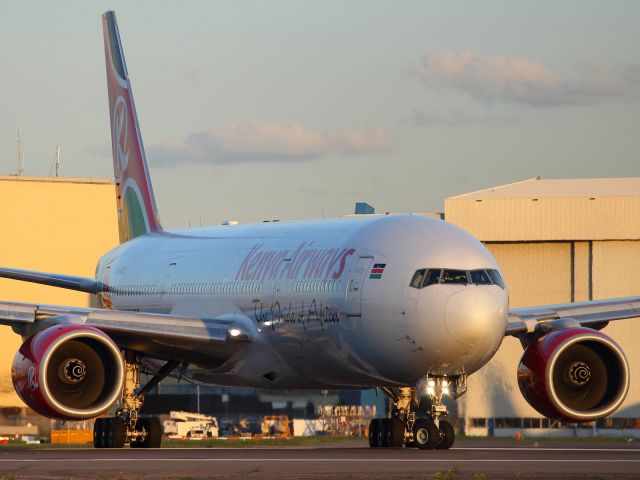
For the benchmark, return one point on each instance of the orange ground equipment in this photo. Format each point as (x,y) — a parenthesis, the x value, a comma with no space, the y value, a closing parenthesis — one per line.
(70,437)
(276,426)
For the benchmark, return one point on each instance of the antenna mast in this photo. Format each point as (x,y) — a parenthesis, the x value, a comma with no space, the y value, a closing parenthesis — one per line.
(58,165)
(19,154)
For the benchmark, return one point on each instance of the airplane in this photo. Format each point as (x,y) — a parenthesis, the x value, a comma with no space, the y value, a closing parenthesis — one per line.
(408,304)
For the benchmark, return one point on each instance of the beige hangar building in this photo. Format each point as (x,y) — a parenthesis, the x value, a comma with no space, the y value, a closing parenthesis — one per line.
(557,241)
(52,224)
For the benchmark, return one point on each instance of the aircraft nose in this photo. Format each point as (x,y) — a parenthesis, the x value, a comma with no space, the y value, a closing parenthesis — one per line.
(473,316)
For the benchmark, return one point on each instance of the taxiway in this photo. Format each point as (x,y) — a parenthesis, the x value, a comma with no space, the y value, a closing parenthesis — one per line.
(490,460)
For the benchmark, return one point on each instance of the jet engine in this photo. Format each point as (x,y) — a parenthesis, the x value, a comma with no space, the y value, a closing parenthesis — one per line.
(68,372)
(574,374)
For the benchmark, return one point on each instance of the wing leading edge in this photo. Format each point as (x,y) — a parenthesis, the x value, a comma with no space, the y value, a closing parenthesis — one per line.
(207,342)
(70,282)
(589,314)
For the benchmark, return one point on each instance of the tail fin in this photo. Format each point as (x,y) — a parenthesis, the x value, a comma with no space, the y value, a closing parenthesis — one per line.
(137,211)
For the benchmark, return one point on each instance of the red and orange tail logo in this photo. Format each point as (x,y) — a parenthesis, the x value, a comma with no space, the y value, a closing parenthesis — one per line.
(137,212)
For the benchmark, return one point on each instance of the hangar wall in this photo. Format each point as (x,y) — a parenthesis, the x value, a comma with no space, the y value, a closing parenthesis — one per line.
(55,224)
(557,241)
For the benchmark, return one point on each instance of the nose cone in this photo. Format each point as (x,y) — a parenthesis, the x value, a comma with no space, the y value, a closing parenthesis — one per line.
(473,316)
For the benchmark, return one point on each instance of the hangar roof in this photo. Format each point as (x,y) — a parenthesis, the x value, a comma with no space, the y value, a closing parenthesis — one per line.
(561,188)
(551,210)
(25,178)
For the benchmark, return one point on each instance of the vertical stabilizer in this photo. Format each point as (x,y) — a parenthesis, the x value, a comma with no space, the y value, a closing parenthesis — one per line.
(137,212)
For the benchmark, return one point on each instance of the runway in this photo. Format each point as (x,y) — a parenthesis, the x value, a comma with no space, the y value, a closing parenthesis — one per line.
(349,461)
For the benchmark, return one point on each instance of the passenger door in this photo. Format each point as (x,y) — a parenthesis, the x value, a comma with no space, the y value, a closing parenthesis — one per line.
(356,284)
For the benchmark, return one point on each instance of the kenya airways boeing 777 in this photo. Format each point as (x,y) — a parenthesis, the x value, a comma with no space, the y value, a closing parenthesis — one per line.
(409,304)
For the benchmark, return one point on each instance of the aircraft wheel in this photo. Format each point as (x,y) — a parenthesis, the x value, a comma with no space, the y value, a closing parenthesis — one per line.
(425,434)
(98,428)
(383,432)
(448,435)
(109,432)
(395,433)
(154,433)
(374,425)
(116,432)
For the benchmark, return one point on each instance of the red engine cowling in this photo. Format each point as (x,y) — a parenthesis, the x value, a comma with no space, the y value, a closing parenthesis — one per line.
(574,374)
(68,372)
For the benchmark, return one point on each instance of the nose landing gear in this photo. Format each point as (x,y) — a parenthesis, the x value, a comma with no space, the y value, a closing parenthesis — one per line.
(405,429)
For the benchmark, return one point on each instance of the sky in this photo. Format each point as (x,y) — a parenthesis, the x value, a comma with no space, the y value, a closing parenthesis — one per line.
(254,110)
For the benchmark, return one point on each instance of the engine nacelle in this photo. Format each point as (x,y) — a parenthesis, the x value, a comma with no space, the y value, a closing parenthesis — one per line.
(68,372)
(574,374)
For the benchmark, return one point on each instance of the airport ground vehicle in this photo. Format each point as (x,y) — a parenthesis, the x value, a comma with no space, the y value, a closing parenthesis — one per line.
(190,425)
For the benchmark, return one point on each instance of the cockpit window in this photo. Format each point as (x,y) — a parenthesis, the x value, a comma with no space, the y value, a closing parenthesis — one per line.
(433,276)
(496,277)
(480,277)
(425,277)
(455,276)
(418,277)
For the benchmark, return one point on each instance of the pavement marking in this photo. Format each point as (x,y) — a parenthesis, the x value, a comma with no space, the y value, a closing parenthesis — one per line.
(250,448)
(293,460)
(547,449)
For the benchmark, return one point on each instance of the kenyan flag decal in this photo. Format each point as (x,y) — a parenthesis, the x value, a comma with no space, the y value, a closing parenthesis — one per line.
(377,270)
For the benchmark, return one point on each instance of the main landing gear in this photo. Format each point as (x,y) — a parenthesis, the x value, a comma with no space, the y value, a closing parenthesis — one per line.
(405,429)
(126,427)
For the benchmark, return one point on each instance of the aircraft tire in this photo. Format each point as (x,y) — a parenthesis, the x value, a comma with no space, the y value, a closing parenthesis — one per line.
(395,433)
(154,433)
(425,434)
(98,433)
(383,431)
(373,432)
(116,432)
(448,435)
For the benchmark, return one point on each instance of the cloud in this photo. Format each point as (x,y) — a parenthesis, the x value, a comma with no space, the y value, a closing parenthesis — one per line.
(513,79)
(254,141)
(456,117)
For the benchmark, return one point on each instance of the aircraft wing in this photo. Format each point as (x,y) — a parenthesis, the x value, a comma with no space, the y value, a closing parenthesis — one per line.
(70,282)
(206,342)
(594,314)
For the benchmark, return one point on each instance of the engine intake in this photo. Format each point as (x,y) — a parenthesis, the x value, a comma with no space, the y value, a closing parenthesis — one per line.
(574,374)
(68,372)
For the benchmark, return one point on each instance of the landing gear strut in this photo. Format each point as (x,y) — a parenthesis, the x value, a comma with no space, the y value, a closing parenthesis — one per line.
(126,427)
(404,428)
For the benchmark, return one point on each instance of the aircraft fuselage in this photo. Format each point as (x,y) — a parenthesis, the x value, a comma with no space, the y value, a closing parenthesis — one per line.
(329,303)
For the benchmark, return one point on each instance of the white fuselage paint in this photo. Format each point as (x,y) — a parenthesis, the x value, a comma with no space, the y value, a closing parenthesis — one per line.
(315,317)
